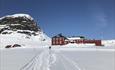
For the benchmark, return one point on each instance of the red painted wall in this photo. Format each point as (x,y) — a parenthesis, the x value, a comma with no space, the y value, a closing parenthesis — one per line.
(61,41)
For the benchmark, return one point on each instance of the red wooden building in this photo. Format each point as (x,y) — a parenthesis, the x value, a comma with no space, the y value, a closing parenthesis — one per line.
(58,40)
(62,40)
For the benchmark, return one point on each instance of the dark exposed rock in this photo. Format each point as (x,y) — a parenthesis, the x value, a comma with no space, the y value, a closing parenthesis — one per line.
(8,46)
(6,32)
(16,45)
(12,46)
(25,32)
(19,23)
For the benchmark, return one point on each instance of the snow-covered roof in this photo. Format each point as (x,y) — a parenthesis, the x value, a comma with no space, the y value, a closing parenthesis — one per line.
(73,38)
(18,15)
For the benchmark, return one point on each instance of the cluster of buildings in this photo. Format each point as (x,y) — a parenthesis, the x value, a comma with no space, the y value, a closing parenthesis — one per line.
(63,40)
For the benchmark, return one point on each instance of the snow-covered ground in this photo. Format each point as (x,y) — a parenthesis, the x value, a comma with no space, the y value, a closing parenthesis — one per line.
(22,31)
(58,58)
(108,42)
(24,40)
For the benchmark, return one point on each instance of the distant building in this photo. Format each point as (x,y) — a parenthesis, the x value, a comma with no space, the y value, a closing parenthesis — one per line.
(58,40)
(62,40)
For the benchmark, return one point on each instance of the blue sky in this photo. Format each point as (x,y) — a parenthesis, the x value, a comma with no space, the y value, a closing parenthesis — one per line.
(94,19)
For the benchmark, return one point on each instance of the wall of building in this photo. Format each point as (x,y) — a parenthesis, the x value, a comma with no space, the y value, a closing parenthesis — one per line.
(63,41)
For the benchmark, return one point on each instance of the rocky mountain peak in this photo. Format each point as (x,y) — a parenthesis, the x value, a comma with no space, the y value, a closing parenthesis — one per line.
(18,22)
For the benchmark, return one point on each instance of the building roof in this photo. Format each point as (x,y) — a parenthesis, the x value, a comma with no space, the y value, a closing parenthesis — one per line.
(69,38)
(59,35)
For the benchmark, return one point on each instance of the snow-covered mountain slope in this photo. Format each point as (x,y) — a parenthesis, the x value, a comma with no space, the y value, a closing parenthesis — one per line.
(21,29)
(108,42)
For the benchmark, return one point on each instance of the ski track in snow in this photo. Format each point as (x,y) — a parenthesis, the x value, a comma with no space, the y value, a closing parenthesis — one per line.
(41,61)
(54,59)
(75,66)
(46,59)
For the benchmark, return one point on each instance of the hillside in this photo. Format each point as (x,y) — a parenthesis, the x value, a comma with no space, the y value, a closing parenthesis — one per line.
(21,29)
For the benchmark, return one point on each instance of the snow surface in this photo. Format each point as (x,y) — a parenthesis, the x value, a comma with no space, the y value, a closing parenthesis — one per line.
(24,40)
(57,58)
(18,15)
(108,42)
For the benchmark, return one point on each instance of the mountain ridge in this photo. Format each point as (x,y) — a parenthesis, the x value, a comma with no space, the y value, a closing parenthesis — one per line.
(18,22)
